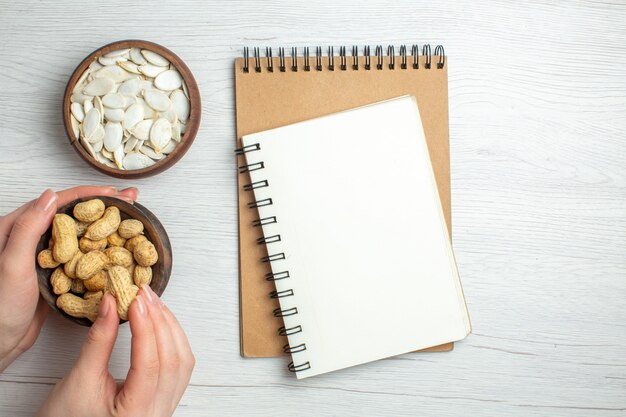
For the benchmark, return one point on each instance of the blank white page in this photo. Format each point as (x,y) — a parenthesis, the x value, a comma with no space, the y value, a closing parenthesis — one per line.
(362,230)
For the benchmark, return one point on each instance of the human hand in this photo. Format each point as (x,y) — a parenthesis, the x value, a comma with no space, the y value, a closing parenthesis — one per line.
(22,312)
(161,362)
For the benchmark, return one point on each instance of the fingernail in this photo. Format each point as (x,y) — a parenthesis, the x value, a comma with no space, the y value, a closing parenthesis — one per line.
(104,306)
(46,200)
(140,305)
(129,189)
(148,293)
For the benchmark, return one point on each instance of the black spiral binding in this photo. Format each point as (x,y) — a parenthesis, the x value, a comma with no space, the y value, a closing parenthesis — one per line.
(427,53)
(268,240)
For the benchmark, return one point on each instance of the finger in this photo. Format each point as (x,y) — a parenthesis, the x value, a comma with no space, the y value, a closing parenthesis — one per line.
(67,196)
(141,382)
(188,360)
(96,351)
(169,357)
(27,230)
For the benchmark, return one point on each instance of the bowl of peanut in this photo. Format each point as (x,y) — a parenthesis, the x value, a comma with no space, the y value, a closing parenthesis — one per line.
(97,245)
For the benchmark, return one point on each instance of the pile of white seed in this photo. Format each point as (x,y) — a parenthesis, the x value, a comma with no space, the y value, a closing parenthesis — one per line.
(130,108)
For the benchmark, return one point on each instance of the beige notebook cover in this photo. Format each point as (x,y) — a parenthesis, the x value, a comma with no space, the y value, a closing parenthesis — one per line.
(269,99)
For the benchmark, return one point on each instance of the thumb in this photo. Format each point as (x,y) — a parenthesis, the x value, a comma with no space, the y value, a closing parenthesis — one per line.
(29,227)
(96,351)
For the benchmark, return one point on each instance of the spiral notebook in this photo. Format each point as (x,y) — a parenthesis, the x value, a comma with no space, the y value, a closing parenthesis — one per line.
(280,87)
(356,237)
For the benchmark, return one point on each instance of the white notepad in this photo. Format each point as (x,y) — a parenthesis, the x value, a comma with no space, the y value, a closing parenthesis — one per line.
(351,204)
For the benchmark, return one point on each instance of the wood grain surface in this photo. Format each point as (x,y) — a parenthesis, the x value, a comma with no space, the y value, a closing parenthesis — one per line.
(538,153)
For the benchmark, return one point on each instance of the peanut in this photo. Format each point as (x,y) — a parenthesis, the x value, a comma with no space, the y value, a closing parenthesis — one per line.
(122,288)
(70,267)
(134,241)
(64,235)
(120,256)
(50,243)
(145,254)
(60,282)
(131,268)
(88,245)
(81,228)
(89,211)
(98,282)
(130,228)
(104,226)
(78,286)
(116,240)
(90,264)
(46,260)
(93,295)
(78,307)
(142,275)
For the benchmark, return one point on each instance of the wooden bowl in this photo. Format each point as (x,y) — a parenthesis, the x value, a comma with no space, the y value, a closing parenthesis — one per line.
(154,231)
(192,125)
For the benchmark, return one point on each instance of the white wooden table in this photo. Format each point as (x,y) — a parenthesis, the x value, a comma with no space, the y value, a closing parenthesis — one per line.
(537,132)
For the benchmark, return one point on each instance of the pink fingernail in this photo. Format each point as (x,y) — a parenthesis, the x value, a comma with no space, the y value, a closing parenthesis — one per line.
(104,306)
(46,200)
(140,305)
(148,293)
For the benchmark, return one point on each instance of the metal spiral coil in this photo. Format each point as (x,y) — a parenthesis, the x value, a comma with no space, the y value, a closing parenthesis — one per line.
(426,53)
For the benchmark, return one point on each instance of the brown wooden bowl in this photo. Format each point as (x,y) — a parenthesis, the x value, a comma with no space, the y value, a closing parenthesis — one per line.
(154,231)
(192,125)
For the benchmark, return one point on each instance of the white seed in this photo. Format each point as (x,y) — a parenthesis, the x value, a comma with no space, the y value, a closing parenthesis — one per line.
(136,160)
(150,70)
(130,100)
(95,66)
(112,136)
(136,57)
(114,72)
(183,128)
(75,127)
(168,80)
(114,101)
(91,122)
(129,66)
(139,145)
(81,80)
(142,129)
(88,147)
(148,112)
(170,147)
(99,86)
(130,144)
(176,135)
(115,54)
(154,58)
(114,115)
(98,146)
(97,135)
(107,154)
(97,103)
(78,97)
(87,105)
(111,61)
(181,105)
(77,111)
(160,134)
(170,115)
(118,156)
(185,90)
(146,150)
(157,100)
(133,115)
(130,87)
